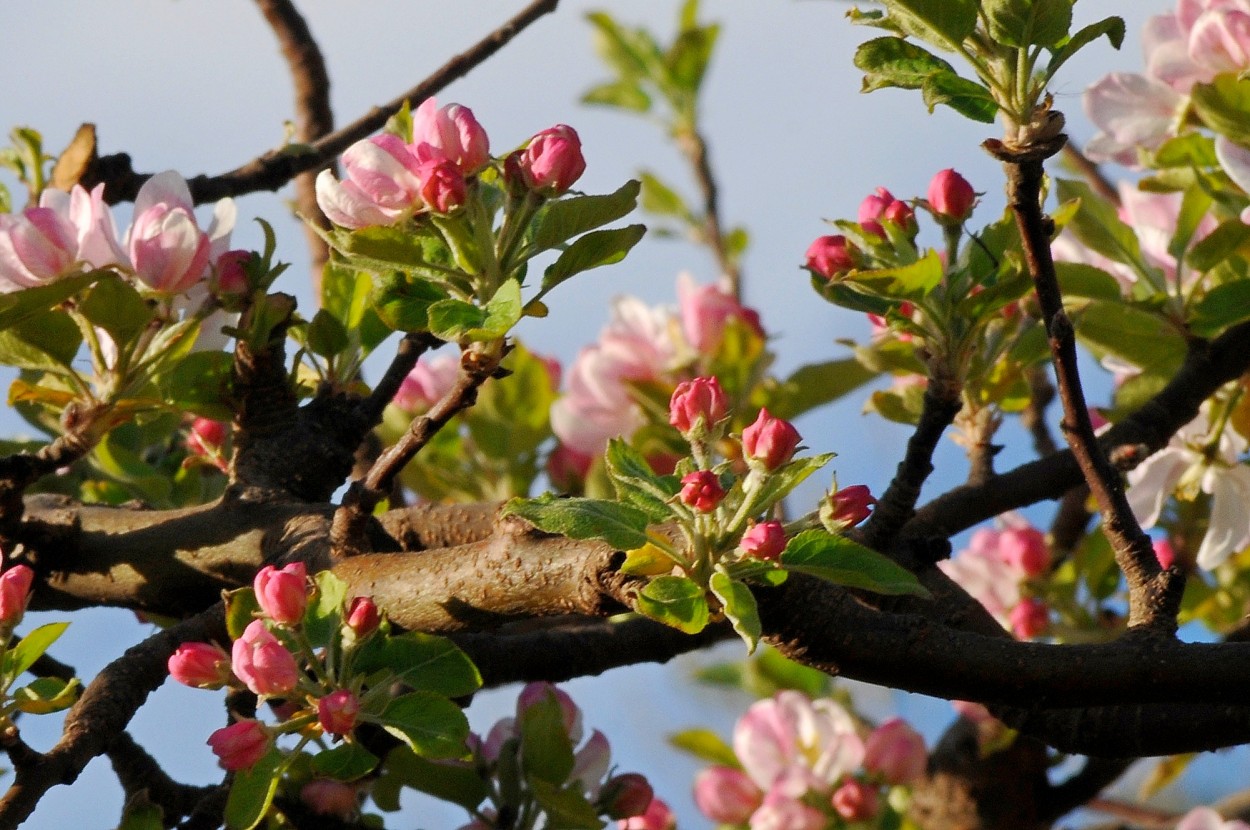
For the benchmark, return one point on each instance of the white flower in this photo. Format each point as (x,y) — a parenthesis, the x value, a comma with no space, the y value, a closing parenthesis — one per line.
(1185,467)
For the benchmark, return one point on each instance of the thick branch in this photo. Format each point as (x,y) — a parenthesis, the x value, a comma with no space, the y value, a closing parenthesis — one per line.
(277,167)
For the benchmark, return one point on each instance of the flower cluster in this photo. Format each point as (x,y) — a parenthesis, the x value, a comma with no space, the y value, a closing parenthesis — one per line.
(521,749)
(43,695)
(806,765)
(994,567)
(164,248)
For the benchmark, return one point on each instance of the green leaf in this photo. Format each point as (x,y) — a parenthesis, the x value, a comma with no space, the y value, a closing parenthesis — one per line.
(430,724)
(622,526)
(420,251)
(199,383)
(968,98)
(113,305)
(626,95)
(841,561)
(1112,27)
(452,319)
(46,695)
(688,57)
(739,606)
(30,648)
(1229,237)
(546,750)
(241,609)
(1079,280)
(252,791)
(1139,337)
(19,305)
(43,341)
(562,219)
(345,762)
(1022,23)
(591,251)
(1223,306)
(403,301)
(636,483)
(707,746)
(783,673)
(566,807)
(1224,105)
(785,478)
(455,320)
(1187,150)
(675,601)
(662,200)
(943,23)
(912,281)
(423,662)
(450,781)
(324,615)
(141,814)
(817,384)
(326,335)
(1098,226)
(895,62)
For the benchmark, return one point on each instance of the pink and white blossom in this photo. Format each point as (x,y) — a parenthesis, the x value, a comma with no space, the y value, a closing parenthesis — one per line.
(382,184)
(705,311)
(168,251)
(427,383)
(790,745)
(455,131)
(1204,818)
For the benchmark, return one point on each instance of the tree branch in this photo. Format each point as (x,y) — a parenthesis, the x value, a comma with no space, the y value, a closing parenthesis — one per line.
(275,168)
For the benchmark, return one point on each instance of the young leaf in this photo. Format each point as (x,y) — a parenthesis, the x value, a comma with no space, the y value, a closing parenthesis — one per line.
(636,483)
(591,251)
(31,647)
(562,219)
(403,301)
(1224,106)
(662,200)
(706,745)
(326,335)
(944,23)
(430,724)
(324,614)
(740,608)
(113,305)
(1022,23)
(423,662)
(1098,226)
(1112,27)
(622,526)
(18,305)
(787,477)
(566,807)
(841,561)
(894,62)
(46,695)
(252,792)
(546,750)
(675,601)
(968,98)
(817,384)
(345,762)
(457,783)
(1137,336)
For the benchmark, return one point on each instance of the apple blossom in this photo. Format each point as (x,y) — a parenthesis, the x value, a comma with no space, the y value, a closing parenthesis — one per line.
(781,812)
(657,816)
(337,711)
(856,801)
(626,796)
(697,405)
(1130,111)
(453,130)
(200,665)
(951,196)
(328,797)
(282,594)
(896,752)
(726,795)
(15,585)
(850,505)
(832,256)
(591,763)
(442,184)
(240,745)
(36,247)
(262,663)
(789,744)
(363,617)
(1025,548)
(705,310)
(551,162)
(765,540)
(1030,618)
(1204,818)
(701,490)
(382,185)
(168,251)
(427,383)
(770,441)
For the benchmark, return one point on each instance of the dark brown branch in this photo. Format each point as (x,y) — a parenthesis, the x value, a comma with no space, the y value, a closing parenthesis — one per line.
(139,772)
(411,347)
(896,505)
(1093,777)
(21,470)
(277,167)
(101,714)
(1154,593)
(313,116)
(1033,418)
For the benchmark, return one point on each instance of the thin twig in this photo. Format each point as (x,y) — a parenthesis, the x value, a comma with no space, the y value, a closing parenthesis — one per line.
(1092,778)
(694,146)
(410,348)
(1033,418)
(313,115)
(1154,593)
(275,168)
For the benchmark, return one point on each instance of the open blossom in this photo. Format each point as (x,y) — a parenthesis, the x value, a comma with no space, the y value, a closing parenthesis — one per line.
(705,311)
(381,187)
(636,345)
(993,566)
(168,251)
(453,130)
(781,812)
(1185,467)
(1130,111)
(64,234)
(790,745)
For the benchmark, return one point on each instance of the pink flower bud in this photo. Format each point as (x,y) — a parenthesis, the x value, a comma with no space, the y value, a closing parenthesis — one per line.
(328,797)
(230,274)
(856,801)
(1165,553)
(765,540)
(1030,618)
(832,256)
(1024,548)
(363,616)
(901,214)
(896,752)
(552,161)
(770,441)
(625,796)
(240,745)
(701,490)
(851,505)
(656,817)
(698,403)
(282,594)
(206,437)
(14,594)
(455,131)
(705,312)
(43,242)
(726,795)
(200,665)
(590,763)
(262,663)
(539,691)
(873,208)
(337,712)
(567,468)
(951,197)
(442,184)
